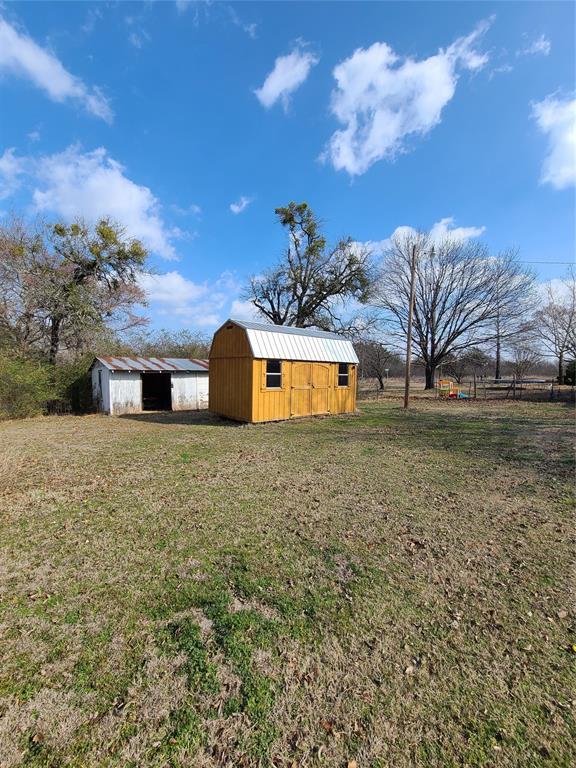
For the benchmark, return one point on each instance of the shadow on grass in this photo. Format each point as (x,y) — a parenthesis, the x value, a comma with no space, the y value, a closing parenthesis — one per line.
(497,436)
(189,418)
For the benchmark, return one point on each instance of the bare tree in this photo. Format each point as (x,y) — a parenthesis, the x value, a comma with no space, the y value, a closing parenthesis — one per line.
(555,322)
(525,360)
(460,291)
(375,359)
(310,283)
(513,322)
(473,360)
(166,343)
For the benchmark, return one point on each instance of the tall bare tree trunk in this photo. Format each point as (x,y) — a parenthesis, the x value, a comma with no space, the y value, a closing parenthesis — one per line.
(498,354)
(561,368)
(429,371)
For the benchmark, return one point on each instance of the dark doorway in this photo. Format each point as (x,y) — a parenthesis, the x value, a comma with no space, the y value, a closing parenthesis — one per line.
(156,391)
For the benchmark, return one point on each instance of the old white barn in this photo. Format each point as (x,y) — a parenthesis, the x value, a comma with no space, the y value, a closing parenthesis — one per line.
(136,384)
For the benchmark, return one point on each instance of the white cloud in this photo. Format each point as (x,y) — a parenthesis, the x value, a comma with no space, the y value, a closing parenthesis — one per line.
(11,168)
(541,46)
(500,70)
(440,231)
(382,99)
(34,135)
(229,283)
(289,73)
(244,310)
(187,210)
(180,301)
(171,288)
(138,39)
(556,117)
(249,28)
(92,17)
(555,290)
(20,55)
(182,5)
(92,185)
(241,205)
(444,229)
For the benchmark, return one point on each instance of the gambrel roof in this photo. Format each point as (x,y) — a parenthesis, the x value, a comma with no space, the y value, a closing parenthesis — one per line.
(284,342)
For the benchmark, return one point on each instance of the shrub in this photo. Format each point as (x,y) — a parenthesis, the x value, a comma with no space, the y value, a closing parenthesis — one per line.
(570,375)
(73,385)
(25,387)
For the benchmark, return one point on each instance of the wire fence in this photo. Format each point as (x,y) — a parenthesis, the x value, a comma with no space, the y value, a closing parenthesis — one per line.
(511,388)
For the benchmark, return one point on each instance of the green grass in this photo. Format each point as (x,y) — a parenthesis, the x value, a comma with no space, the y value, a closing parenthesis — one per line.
(394,588)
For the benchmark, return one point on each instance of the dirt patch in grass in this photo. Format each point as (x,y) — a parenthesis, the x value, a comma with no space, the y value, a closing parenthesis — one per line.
(395,589)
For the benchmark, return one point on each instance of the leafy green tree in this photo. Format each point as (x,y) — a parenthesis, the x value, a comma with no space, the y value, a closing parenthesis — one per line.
(25,387)
(312,282)
(64,283)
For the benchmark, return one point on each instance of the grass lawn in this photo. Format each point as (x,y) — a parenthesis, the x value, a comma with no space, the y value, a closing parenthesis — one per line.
(387,589)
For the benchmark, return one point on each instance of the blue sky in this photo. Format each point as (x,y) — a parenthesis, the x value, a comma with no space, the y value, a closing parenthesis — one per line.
(190,122)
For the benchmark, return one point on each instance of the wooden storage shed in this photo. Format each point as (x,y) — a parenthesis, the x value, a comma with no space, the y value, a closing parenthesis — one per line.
(265,372)
(135,384)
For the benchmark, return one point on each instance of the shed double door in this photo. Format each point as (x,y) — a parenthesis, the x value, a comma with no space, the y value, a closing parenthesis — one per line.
(310,389)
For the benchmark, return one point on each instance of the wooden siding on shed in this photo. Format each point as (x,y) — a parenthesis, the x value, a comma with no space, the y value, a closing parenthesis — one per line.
(344,398)
(238,383)
(295,398)
(270,404)
(230,342)
(230,391)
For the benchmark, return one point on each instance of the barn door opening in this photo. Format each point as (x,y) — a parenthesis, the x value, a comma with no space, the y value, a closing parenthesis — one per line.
(156,391)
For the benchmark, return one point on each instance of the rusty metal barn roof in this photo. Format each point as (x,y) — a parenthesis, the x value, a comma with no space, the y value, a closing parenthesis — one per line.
(283,342)
(153,364)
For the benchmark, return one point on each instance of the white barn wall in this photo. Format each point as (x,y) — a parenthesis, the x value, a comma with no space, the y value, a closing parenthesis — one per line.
(125,392)
(203,381)
(117,392)
(189,391)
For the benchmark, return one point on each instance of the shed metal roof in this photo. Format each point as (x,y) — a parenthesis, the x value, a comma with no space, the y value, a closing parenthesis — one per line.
(153,364)
(283,342)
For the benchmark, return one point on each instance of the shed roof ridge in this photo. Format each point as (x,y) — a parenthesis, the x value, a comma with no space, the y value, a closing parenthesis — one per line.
(268,341)
(290,329)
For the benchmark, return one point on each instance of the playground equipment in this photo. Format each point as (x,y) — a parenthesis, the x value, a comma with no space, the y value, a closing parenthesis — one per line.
(447,388)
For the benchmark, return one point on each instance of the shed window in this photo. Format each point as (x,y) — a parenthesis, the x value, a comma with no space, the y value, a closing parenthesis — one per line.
(342,374)
(273,374)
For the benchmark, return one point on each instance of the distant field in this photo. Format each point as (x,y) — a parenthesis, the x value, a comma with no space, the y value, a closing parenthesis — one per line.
(386,589)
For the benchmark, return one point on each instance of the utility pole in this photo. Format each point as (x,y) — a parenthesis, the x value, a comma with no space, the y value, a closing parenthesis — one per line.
(409,333)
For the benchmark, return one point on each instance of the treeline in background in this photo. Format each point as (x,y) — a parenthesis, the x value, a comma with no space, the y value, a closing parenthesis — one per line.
(70,292)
